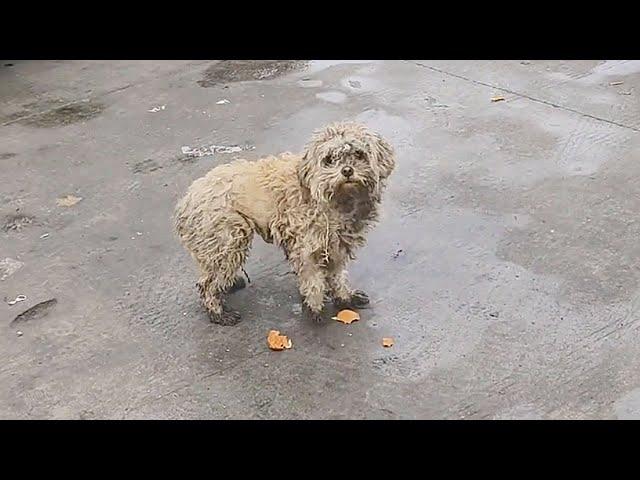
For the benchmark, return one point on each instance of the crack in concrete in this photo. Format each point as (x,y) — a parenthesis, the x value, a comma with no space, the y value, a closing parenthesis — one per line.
(523,95)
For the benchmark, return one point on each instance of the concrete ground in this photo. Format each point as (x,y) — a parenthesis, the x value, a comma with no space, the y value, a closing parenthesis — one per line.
(505,265)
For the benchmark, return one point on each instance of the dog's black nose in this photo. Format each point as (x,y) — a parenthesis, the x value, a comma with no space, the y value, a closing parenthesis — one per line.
(347,171)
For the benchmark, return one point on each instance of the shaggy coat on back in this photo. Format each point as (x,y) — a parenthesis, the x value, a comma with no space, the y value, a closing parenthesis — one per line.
(316,206)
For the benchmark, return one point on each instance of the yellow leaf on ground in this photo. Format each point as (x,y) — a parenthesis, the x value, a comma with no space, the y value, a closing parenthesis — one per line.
(68,201)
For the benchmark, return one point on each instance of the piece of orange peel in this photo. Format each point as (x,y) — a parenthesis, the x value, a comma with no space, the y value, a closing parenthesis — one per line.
(347,316)
(278,342)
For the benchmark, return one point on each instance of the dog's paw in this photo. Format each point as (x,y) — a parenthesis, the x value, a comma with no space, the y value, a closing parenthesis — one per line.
(358,299)
(227,318)
(238,284)
(310,315)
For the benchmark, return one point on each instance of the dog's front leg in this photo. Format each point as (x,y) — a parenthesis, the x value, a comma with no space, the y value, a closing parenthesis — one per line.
(313,286)
(343,295)
(312,282)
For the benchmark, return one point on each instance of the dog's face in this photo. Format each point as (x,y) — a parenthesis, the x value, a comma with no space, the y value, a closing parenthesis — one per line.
(345,159)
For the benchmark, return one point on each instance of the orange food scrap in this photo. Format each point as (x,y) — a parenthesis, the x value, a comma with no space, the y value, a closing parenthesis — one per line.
(387,342)
(347,316)
(277,341)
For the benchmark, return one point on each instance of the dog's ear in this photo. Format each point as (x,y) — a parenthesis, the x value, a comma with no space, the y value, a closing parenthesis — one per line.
(384,155)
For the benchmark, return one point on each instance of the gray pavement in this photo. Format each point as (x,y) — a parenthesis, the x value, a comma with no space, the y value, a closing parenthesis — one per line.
(505,265)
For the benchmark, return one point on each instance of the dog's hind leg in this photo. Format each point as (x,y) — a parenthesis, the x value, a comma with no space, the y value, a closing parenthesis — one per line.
(223,255)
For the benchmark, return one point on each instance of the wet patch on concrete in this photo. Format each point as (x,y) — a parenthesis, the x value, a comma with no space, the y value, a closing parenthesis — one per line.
(513,137)
(591,242)
(16,222)
(580,230)
(520,412)
(64,115)
(230,71)
(6,156)
(31,108)
(316,66)
(310,83)
(332,97)
(628,407)
(607,69)
(362,84)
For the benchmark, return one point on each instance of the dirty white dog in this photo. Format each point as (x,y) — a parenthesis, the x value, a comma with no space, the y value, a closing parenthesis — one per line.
(317,206)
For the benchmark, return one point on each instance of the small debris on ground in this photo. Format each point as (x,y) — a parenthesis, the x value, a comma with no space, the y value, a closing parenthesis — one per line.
(397,253)
(44,235)
(433,102)
(19,333)
(223,149)
(223,102)
(157,109)
(278,342)
(38,311)
(68,201)
(196,152)
(613,84)
(347,316)
(208,151)
(8,267)
(15,223)
(19,298)
(497,99)
(387,342)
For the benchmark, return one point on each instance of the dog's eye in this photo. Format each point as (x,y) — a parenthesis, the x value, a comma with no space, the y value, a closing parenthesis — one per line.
(328,161)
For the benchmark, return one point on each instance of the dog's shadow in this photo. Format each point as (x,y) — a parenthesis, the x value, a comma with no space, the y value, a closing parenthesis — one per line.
(276,302)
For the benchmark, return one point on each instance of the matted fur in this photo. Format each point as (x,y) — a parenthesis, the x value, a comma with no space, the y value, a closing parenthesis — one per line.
(303,203)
